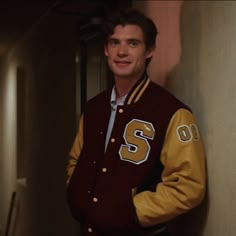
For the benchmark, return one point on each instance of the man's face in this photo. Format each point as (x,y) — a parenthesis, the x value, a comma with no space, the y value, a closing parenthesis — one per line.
(126,52)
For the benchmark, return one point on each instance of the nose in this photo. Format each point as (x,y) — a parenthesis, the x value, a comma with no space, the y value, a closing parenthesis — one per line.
(122,50)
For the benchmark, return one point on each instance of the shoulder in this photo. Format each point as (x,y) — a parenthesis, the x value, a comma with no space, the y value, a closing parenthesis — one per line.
(98,102)
(101,97)
(160,96)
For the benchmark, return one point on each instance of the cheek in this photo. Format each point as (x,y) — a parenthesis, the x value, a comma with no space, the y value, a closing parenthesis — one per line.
(109,52)
(141,60)
(109,62)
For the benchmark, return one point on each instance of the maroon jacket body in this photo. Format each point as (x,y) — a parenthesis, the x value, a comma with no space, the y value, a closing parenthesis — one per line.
(101,189)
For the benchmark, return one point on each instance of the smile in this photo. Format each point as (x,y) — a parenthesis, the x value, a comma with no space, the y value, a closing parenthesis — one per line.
(122,63)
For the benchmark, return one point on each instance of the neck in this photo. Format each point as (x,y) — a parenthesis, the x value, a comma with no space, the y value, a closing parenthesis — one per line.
(124,85)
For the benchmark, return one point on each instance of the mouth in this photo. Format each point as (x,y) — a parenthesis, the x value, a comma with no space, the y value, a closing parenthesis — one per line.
(122,63)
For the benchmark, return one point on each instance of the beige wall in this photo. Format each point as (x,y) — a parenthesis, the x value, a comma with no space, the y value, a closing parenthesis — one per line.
(8,141)
(204,78)
(46,58)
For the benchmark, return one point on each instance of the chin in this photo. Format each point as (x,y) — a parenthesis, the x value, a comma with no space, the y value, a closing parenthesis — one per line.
(123,76)
(122,73)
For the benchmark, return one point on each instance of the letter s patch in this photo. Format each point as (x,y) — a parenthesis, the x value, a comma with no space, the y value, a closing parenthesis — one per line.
(136,135)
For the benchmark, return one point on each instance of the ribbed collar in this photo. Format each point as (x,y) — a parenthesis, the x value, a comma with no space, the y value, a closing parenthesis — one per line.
(137,90)
(135,93)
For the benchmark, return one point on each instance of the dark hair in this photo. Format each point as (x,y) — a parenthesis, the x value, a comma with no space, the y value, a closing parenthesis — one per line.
(134,17)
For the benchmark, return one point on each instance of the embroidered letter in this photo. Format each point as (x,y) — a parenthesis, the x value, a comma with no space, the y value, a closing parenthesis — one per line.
(136,135)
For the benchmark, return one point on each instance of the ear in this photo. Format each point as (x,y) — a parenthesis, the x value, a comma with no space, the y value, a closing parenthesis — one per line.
(105,50)
(150,52)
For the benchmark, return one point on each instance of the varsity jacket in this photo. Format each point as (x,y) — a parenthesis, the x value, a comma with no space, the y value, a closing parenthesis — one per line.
(152,170)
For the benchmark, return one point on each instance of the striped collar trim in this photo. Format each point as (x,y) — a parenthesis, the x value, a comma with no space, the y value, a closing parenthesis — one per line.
(138,90)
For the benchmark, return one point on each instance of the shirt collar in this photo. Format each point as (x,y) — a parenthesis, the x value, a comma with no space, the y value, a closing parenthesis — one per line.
(113,101)
(134,94)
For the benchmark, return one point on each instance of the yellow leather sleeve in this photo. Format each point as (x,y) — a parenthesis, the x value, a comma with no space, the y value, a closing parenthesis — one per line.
(75,150)
(183,176)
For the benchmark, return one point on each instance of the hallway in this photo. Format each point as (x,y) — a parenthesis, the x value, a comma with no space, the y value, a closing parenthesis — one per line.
(51,62)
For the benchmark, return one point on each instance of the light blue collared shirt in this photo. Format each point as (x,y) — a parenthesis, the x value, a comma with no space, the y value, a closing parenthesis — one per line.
(114,103)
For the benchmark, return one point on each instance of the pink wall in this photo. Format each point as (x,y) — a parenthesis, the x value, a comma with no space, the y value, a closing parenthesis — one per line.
(166,15)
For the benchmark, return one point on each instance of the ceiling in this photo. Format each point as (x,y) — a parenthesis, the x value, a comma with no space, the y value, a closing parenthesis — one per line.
(18,16)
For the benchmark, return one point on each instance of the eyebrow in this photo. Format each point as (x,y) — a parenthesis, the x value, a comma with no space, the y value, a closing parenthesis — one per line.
(128,39)
(135,40)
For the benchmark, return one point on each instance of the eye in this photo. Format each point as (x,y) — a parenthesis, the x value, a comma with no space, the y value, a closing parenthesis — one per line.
(113,42)
(133,43)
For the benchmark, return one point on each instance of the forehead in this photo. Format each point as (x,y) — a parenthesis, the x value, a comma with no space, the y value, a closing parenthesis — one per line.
(127,32)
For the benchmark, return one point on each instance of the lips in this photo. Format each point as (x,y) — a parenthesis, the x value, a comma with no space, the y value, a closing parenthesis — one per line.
(122,63)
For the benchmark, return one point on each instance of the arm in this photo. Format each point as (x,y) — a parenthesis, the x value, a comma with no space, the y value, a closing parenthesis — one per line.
(183,177)
(75,151)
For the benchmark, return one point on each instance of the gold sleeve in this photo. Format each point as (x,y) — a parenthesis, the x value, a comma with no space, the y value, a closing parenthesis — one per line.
(75,150)
(183,176)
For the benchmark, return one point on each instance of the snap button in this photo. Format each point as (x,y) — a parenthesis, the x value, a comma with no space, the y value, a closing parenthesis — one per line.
(95,199)
(113,140)
(90,230)
(121,110)
(104,170)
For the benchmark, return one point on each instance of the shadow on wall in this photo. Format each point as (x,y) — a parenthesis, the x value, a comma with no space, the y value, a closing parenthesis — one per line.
(184,81)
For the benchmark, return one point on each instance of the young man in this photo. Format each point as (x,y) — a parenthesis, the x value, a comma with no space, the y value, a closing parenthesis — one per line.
(137,160)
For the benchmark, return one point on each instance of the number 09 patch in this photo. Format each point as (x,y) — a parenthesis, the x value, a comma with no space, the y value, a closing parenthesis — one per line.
(187,133)
(136,135)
